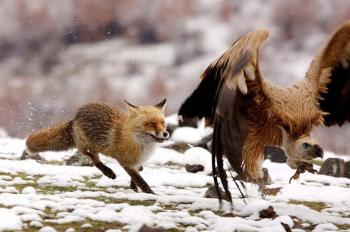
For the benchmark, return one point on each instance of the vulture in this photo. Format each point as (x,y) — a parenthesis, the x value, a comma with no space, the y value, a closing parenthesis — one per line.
(248,112)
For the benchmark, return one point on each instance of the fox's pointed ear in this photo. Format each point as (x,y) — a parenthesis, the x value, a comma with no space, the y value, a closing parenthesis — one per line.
(161,105)
(130,106)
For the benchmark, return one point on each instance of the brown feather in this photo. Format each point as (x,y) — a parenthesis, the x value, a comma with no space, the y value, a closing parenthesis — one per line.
(230,127)
(329,75)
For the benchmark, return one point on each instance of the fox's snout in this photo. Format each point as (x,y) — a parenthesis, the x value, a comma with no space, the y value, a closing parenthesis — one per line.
(160,131)
(160,134)
(156,129)
(163,134)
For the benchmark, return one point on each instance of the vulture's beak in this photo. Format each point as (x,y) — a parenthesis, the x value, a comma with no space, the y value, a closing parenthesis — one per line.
(318,151)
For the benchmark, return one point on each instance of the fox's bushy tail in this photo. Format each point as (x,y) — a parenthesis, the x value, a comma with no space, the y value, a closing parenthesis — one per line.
(56,138)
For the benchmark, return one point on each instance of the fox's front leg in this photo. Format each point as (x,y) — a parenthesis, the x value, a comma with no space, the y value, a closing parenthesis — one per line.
(95,158)
(133,186)
(137,180)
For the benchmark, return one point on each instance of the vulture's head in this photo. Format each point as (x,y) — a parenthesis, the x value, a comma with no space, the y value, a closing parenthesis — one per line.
(297,118)
(300,149)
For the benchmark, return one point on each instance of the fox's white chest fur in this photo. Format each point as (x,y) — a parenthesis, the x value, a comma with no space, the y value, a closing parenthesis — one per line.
(147,148)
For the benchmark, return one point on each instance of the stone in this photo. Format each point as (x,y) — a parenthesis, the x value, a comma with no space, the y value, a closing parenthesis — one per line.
(286,227)
(179,147)
(146,228)
(275,154)
(190,122)
(205,143)
(268,213)
(78,159)
(194,168)
(347,169)
(228,214)
(211,193)
(270,191)
(266,178)
(171,128)
(333,167)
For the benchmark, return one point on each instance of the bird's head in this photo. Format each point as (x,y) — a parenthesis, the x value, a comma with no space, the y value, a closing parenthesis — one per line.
(303,148)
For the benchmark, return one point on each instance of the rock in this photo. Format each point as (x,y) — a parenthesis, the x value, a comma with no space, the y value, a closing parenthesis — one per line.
(146,228)
(267,178)
(297,223)
(190,122)
(34,156)
(268,213)
(205,142)
(211,193)
(275,154)
(78,159)
(170,128)
(333,167)
(229,214)
(179,146)
(35,224)
(270,191)
(286,227)
(347,169)
(194,168)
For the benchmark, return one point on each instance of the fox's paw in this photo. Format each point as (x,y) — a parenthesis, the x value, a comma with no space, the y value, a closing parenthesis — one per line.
(106,170)
(34,156)
(133,186)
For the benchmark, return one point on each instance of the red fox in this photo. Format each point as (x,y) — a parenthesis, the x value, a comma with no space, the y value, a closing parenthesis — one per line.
(127,136)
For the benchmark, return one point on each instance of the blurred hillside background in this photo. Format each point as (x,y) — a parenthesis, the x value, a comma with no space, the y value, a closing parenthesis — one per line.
(58,55)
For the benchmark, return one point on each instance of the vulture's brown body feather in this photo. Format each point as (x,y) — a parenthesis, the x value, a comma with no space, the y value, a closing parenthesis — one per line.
(248,112)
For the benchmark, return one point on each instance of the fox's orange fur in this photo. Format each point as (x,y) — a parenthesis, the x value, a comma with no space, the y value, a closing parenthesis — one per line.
(127,136)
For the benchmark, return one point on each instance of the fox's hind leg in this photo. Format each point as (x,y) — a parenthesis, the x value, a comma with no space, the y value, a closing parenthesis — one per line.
(27,154)
(137,180)
(95,158)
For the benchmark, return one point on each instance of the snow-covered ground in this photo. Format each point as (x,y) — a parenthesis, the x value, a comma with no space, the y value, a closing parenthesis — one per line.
(49,197)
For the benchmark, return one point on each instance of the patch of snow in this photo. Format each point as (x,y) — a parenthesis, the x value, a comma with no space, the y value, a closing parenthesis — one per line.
(325,227)
(172,119)
(29,190)
(3,133)
(175,187)
(9,220)
(47,229)
(198,155)
(186,134)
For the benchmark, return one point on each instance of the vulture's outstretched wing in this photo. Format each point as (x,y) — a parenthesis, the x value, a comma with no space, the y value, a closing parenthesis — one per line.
(329,74)
(200,103)
(239,77)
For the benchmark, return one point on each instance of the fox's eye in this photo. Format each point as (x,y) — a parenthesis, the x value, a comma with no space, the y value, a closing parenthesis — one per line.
(150,124)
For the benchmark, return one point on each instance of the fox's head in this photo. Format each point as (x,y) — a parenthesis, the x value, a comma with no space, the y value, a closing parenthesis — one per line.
(148,121)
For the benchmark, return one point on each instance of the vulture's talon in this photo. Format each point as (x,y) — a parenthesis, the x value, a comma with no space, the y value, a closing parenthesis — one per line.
(302,168)
(313,171)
